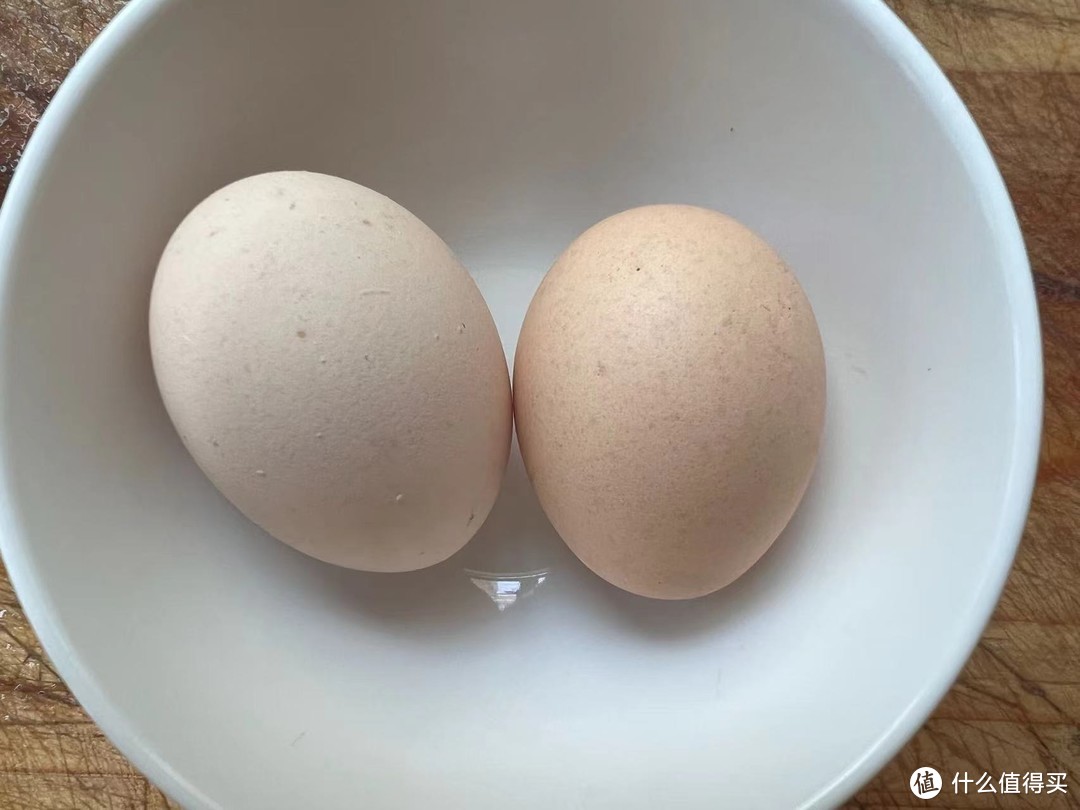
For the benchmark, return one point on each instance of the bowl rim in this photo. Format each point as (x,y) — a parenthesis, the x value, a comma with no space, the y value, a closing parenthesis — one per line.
(928,80)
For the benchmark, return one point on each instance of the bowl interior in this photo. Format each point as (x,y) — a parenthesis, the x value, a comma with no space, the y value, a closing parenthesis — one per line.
(239,673)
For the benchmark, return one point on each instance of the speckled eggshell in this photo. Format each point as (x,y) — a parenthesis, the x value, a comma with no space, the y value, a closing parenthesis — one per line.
(669,389)
(333,369)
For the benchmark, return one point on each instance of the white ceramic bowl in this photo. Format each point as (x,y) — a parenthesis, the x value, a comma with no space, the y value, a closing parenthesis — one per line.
(239,674)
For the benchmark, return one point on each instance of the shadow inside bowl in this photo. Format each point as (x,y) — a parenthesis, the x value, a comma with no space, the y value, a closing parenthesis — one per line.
(672,621)
(514,559)
(517,564)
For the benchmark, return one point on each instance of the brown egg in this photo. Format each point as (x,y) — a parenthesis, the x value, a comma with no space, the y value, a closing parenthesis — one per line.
(333,369)
(669,390)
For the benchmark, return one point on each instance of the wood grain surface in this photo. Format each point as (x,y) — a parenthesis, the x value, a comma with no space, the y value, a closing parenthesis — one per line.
(1015,707)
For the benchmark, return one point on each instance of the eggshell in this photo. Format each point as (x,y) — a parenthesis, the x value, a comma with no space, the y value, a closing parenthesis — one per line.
(669,390)
(333,369)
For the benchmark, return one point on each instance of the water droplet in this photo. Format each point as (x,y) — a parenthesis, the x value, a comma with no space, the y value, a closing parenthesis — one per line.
(507,589)
(260,473)
(399,498)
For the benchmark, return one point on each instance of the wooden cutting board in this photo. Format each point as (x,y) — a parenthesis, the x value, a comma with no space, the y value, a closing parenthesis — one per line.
(1015,708)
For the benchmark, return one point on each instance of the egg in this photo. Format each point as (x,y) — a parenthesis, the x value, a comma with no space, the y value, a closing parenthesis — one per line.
(333,369)
(669,391)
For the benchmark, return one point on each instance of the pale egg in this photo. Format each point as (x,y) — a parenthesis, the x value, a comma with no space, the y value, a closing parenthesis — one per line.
(333,369)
